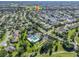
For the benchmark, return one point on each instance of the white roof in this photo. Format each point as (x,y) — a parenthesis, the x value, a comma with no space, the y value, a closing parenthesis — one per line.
(33,38)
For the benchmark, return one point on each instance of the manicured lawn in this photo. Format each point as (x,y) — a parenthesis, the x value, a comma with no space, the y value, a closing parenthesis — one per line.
(60,48)
(63,54)
(77,40)
(60,53)
(71,33)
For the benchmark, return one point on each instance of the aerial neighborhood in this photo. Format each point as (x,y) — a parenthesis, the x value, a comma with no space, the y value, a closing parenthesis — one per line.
(36,30)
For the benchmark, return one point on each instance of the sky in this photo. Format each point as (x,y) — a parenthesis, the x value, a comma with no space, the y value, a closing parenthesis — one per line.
(39,0)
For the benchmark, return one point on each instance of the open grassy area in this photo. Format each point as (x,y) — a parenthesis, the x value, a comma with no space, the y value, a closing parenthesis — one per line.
(65,54)
(60,54)
(71,33)
(77,39)
(60,48)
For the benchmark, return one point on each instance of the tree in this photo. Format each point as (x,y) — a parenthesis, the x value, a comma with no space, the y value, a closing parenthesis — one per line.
(56,48)
(23,34)
(47,47)
(77,51)
(50,52)
(3,53)
(68,46)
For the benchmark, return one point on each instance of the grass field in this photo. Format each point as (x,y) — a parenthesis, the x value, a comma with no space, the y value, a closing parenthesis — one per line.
(59,54)
(65,54)
(71,33)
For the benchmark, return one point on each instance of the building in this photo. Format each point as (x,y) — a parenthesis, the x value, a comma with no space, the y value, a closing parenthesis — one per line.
(37,8)
(34,37)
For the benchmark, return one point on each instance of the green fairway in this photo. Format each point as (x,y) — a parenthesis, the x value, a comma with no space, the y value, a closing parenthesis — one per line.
(65,54)
(59,54)
(71,33)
